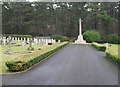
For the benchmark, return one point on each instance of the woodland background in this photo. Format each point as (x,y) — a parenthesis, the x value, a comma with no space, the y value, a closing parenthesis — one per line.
(61,18)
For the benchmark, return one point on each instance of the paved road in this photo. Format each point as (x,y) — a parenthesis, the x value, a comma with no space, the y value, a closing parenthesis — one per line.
(71,65)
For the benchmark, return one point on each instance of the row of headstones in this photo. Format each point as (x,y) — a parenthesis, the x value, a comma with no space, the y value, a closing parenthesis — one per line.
(46,41)
(3,40)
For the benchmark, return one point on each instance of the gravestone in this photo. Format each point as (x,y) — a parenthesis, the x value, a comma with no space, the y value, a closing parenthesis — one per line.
(24,39)
(30,45)
(23,45)
(54,41)
(0,40)
(9,50)
(15,38)
(39,41)
(18,39)
(7,40)
(42,42)
(28,40)
(21,38)
(12,38)
(4,40)
(46,41)
(58,41)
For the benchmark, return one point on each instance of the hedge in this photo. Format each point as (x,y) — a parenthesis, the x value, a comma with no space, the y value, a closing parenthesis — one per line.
(16,66)
(13,35)
(99,47)
(114,58)
(60,37)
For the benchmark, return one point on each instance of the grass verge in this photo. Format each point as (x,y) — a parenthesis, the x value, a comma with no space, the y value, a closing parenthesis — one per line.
(100,47)
(16,66)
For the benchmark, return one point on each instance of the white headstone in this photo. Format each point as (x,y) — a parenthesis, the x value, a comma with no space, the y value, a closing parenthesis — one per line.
(39,40)
(28,40)
(12,38)
(58,41)
(4,40)
(15,38)
(21,38)
(7,40)
(35,40)
(54,41)
(24,39)
(46,42)
(18,39)
(106,45)
(23,44)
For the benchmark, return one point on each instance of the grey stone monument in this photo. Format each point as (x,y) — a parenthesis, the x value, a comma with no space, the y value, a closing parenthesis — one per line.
(80,36)
(30,45)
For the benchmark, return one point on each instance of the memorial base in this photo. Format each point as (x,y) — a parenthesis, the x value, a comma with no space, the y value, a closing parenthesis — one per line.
(80,40)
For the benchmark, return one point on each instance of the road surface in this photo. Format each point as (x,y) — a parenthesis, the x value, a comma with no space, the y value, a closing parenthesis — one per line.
(72,65)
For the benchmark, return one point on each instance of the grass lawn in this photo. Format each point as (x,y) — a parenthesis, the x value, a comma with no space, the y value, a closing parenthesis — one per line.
(23,54)
(114,49)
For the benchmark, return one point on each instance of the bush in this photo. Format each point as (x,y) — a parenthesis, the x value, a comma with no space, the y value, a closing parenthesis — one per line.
(15,65)
(101,41)
(49,43)
(91,36)
(72,39)
(99,47)
(60,37)
(114,58)
(113,38)
(20,66)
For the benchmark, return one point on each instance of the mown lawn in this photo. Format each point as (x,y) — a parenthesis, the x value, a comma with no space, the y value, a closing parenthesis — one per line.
(23,54)
(114,49)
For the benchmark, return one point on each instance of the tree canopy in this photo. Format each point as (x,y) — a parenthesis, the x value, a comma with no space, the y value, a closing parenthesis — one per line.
(47,18)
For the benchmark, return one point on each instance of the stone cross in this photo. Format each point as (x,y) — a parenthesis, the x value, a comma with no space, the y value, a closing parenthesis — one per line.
(80,26)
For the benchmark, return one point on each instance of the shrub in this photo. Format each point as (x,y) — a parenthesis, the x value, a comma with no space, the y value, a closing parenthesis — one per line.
(91,36)
(60,37)
(99,47)
(15,65)
(64,38)
(101,41)
(72,39)
(49,43)
(20,66)
(113,38)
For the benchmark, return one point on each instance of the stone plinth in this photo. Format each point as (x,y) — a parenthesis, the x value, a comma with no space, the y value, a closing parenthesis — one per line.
(80,40)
